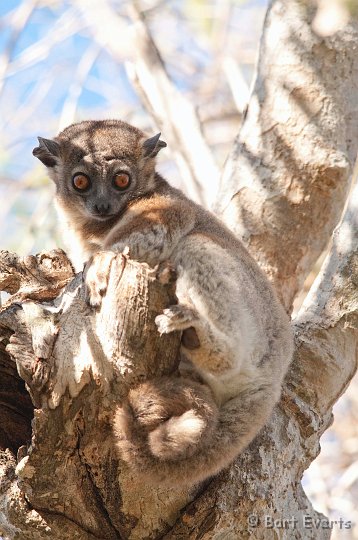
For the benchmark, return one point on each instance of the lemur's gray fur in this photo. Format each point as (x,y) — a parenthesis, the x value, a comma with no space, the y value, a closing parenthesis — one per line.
(109,196)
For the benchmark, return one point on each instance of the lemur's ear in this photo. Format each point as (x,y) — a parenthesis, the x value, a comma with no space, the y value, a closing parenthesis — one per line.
(48,152)
(152,146)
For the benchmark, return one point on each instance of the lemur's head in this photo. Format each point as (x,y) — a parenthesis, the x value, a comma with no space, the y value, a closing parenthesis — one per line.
(99,167)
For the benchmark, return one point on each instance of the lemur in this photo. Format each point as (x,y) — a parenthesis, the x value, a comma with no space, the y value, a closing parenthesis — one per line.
(109,198)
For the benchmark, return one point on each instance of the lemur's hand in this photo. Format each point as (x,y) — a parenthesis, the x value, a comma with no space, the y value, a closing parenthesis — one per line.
(176,317)
(180,317)
(96,275)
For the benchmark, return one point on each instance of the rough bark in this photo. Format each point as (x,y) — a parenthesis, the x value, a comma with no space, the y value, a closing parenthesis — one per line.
(37,278)
(285,184)
(67,482)
(77,364)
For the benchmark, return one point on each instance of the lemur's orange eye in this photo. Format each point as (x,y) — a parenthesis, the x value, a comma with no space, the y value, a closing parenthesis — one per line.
(121,180)
(81,182)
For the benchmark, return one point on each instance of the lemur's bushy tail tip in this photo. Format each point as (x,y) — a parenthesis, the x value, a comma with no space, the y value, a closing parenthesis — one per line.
(165,419)
(177,437)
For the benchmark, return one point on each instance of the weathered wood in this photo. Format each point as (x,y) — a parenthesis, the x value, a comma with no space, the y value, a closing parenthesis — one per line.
(16,409)
(39,277)
(284,186)
(78,363)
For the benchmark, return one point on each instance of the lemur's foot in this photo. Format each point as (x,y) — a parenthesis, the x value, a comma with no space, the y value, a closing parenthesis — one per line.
(178,317)
(96,275)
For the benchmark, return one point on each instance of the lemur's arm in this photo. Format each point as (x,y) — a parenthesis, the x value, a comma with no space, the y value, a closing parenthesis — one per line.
(150,229)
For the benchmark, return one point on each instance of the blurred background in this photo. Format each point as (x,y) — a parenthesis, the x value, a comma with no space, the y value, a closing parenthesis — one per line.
(66,61)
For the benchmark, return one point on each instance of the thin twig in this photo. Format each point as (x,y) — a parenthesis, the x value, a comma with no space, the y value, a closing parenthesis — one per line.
(67,25)
(75,90)
(173,113)
(17,22)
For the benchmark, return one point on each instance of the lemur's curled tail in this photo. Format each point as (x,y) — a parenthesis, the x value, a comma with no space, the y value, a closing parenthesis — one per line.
(172,430)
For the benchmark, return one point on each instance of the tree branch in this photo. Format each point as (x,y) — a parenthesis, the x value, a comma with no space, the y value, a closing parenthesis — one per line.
(78,364)
(39,277)
(268,475)
(284,187)
(327,324)
(172,112)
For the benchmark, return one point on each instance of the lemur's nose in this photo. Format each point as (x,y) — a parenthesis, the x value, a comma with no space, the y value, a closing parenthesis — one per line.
(102,208)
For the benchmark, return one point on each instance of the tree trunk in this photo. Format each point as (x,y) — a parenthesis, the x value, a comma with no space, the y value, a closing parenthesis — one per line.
(283,191)
(285,184)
